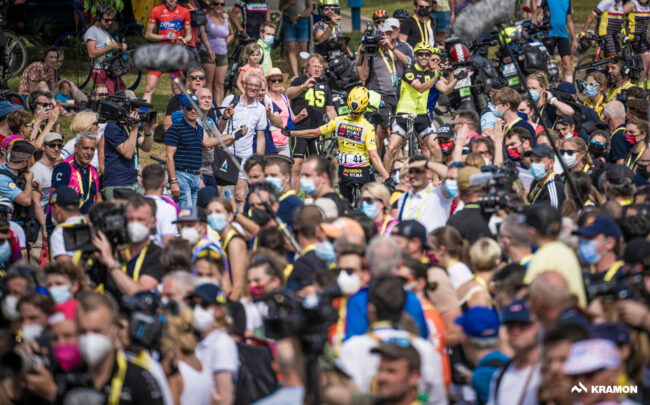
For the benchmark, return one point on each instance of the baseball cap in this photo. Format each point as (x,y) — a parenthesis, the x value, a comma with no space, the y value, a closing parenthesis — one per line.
(191,214)
(399,348)
(65,197)
(411,229)
(614,332)
(23,146)
(206,194)
(7,106)
(210,293)
(597,225)
(498,83)
(567,87)
(541,150)
(185,102)
(565,120)
(392,22)
(52,136)
(515,312)
(445,131)
(591,355)
(328,207)
(340,227)
(616,174)
(464,178)
(479,322)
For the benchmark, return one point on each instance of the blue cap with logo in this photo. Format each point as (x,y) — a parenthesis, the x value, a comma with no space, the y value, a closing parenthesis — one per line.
(185,100)
(516,312)
(597,225)
(479,322)
(64,197)
(210,293)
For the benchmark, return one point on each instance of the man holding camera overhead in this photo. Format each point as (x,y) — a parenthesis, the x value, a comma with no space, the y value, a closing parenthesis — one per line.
(121,152)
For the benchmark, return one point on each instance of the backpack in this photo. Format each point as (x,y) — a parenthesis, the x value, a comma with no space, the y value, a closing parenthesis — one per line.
(256,378)
(22,215)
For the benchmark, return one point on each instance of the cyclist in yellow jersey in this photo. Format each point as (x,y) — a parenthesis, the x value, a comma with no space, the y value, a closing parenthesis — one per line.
(619,73)
(356,139)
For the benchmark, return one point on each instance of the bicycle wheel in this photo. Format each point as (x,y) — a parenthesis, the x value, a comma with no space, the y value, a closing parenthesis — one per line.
(582,73)
(16,53)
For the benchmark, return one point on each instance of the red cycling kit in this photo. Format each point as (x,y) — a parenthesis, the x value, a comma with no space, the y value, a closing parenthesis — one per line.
(169,22)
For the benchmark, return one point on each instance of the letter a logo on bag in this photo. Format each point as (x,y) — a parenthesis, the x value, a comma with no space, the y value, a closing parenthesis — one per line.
(224,166)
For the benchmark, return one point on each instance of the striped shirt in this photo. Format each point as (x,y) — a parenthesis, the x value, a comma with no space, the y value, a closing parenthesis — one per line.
(189,143)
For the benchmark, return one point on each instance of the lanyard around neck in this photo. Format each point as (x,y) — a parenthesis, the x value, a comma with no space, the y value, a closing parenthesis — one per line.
(408,200)
(386,61)
(138,263)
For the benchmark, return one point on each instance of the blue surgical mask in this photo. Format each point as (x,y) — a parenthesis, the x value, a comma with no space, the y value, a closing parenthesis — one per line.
(497,113)
(370,210)
(60,293)
(5,252)
(268,40)
(308,186)
(591,91)
(275,182)
(538,170)
(451,187)
(534,94)
(325,251)
(588,251)
(217,221)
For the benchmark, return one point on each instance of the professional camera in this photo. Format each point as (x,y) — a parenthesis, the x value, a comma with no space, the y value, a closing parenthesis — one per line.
(117,109)
(371,39)
(107,217)
(15,363)
(146,320)
(499,182)
(625,285)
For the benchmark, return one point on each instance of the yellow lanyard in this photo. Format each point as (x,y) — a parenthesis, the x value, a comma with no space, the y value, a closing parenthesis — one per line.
(626,202)
(81,186)
(632,164)
(541,112)
(425,38)
(287,194)
(613,270)
(118,381)
(586,168)
(138,263)
(589,203)
(510,126)
(307,250)
(231,234)
(384,225)
(340,325)
(392,59)
(424,197)
(540,188)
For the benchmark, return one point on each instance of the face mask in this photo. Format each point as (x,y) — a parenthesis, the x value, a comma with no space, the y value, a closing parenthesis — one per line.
(60,293)
(534,94)
(596,150)
(497,113)
(10,308)
(257,290)
(94,347)
(396,177)
(203,318)
(325,251)
(275,182)
(588,251)
(423,11)
(31,332)
(451,187)
(190,234)
(205,280)
(348,283)
(260,216)
(643,171)
(137,232)
(514,153)
(538,170)
(492,107)
(630,139)
(5,252)
(370,210)
(217,221)
(570,160)
(308,186)
(67,356)
(447,147)
(268,40)
(591,91)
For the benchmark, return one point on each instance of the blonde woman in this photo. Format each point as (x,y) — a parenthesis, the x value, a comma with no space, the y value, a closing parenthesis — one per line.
(189,379)
(549,106)
(485,260)
(574,154)
(86,120)
(375,204)
(595,89)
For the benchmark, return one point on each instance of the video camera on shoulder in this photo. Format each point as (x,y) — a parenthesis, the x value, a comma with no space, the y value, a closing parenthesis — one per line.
(108,217)
(146,320)
(118,107)
(370,40)
(499,182)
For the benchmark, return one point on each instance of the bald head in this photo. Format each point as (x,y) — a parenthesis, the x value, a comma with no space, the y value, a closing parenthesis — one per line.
(549,294)
(615,110)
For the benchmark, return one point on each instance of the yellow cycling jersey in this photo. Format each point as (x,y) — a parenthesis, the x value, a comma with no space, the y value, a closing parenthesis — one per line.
(356,137)
(613,94)
(412,101)
(596,106)
(611,16)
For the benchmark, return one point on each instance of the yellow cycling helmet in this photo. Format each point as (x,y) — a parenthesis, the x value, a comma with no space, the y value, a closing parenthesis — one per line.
(358,100)
(507,34)
(423,46)
(324,3)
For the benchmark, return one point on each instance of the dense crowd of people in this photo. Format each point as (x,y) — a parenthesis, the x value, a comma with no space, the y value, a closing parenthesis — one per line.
(505,261)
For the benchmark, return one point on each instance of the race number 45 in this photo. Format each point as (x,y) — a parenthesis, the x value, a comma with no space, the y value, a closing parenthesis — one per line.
(315,97)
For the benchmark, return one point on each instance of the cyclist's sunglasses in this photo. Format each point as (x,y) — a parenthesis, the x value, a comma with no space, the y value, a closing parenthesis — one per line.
(423,54)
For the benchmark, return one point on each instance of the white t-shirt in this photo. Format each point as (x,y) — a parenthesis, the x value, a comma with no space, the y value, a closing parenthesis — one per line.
(218,352)
(196,384)
(68,148)
(513,383)
(43,176)
(165,216)
(429,206)
(19,233)
(57,246)
(356,361)
(254,117)
(459,273)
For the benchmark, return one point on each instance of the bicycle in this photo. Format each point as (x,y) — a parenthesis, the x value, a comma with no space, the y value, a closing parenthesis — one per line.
(15,50)
(411,145)
(587,42)
(6,93)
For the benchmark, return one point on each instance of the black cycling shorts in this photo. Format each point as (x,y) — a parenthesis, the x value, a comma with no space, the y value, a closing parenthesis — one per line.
(640,46)
(563,46)
(382,116)
(349,175)
(421,125)
(302,148)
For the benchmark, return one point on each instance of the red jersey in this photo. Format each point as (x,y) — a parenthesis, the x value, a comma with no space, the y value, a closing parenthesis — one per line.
(170,21)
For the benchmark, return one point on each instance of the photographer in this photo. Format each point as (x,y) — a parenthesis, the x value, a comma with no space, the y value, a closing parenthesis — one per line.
(618,79)
(547,187)
(141,270)
(470,221)
(328,30)
(99,45)
(121,152)
(64,211)
(419,27)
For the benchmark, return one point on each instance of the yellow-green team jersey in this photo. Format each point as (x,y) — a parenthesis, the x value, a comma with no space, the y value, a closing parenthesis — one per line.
(356,137)
(412,101)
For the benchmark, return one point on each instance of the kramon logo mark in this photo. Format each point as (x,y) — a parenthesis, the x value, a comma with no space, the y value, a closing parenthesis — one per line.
(605,389)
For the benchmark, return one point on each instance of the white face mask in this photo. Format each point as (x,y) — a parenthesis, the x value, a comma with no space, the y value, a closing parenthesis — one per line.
(205,280)
(570,160)
(31,332)
(94,347)
(190,234)
(137,232)
(348,283)
(203,318)
(10,308)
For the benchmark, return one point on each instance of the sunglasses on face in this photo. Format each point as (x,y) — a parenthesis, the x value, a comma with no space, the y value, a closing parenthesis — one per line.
(276,80)
(189,108)
(218,4)
(436,60)
(568,152)
(369,200)
(54,145)
(597,143)
(107,19)
(423,55)
(197,77)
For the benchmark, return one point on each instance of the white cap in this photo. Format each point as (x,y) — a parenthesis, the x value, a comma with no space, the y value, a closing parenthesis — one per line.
(52,136)
(393,22)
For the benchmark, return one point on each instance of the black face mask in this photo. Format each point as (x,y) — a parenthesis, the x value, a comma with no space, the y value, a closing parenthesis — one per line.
(596,150)
(423,11)
(643,171)
(260,216)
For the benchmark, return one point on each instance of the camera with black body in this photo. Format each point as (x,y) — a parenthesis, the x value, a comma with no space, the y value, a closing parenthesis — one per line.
(108,217)
(499,182)
(146,320)
(117,109)
(625,285)
(370,40)
(15,363)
